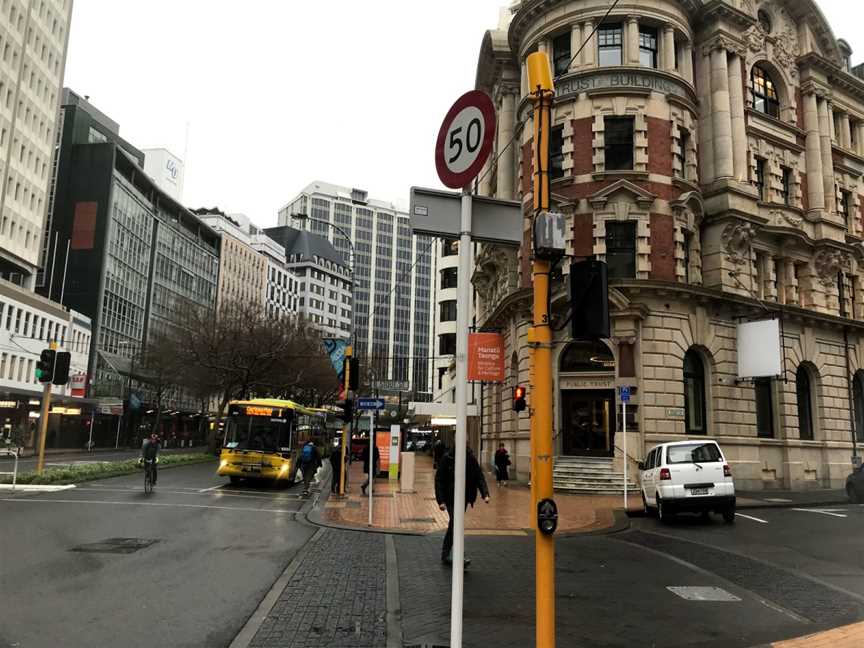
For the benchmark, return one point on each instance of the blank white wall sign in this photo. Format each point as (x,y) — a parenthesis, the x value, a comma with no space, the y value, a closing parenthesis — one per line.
(759,350)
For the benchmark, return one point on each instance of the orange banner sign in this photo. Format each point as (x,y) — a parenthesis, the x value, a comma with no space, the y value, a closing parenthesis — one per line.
(486,357)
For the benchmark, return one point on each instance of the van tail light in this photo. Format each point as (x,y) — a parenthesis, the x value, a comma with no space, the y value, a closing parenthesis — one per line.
(665,474)
(727,471)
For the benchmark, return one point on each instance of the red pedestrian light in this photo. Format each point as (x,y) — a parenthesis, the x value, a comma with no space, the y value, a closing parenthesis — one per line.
(519,398)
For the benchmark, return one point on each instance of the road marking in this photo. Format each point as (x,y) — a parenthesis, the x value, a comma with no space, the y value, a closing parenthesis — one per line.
(702,593)
(750,517)
(196,492)
(822,511)
(212,488)
(37,488)
(778,500)
(165,504)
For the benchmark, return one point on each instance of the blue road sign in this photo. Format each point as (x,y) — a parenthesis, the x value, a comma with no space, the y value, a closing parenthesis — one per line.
(625,393)
(370,403)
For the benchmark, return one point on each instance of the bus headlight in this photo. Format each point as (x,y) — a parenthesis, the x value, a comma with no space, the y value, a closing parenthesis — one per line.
(223,463)
(284,468)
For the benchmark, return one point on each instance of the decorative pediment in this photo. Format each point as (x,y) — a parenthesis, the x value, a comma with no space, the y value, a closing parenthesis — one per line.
(625,188)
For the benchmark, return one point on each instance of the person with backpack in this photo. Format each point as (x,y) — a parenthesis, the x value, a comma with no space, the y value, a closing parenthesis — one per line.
(310,461)
(445,485)
(502,460)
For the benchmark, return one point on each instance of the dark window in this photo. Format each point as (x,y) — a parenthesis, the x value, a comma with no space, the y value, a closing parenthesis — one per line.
(448,310)
(764,92)
(451,247)
(760,178)
(683,144)
(441,372)
(618,138)
(764,407)
(694,393)
(609,44)
(586,356)
(693,453)
(688,243)
(805,404)
(858,397)
(449,278)
(621,249)
(447,344)
(648,47)
(556,153)
(785,183)
(845,208)
(764,20)
(561,53)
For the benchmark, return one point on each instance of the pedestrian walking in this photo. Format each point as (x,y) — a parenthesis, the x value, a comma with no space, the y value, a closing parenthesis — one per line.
(336,466)
(310,461)
(445,485)
(438,452)
(502,460)
(376,459)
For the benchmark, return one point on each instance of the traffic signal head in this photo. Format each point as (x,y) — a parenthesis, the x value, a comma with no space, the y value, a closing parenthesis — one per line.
(45,365)
(518,398)
(353,373)
(348,410)
(61,367)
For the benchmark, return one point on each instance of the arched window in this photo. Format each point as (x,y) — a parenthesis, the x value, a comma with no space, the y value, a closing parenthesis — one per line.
(586,356)
(694,393)
(764,92)
(858,398)
(805,403)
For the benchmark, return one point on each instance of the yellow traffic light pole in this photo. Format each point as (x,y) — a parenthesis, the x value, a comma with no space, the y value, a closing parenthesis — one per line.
(346,429)
(540,338)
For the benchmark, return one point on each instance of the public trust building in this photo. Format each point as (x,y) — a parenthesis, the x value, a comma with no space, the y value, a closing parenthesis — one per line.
(711,153)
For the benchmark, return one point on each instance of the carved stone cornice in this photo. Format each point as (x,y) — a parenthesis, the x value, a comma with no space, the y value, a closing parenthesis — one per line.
(718,10)
(724,41)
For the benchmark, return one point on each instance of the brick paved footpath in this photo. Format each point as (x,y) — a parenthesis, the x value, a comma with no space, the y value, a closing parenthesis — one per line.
(850,636)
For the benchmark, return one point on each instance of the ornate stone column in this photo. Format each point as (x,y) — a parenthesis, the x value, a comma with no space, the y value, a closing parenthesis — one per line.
(631,41)
(575,44)
(827,160)
(506,122)
(739,126)
(845,131)
(667,51)
(859,127)
(685,62)
(813,153)
(589,54)
(721,117)
(703,87)
(524,80)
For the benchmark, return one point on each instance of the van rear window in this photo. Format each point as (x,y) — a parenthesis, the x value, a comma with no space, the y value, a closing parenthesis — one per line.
(694,453)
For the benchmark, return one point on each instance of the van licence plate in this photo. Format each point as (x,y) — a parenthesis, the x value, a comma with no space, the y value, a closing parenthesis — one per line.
(698,491)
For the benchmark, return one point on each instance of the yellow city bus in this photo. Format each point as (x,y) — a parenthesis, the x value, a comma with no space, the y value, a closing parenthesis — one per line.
(263,437)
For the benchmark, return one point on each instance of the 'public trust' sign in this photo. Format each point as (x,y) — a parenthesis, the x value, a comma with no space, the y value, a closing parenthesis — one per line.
(602,80)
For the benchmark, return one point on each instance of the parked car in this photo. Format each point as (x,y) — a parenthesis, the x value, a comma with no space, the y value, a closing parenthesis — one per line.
(687,476)
(855,485)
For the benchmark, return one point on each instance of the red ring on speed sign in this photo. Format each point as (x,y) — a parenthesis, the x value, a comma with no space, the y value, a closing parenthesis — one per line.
(460,153)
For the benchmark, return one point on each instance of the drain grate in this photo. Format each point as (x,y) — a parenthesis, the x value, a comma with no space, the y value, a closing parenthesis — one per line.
(116,545)
(696,593)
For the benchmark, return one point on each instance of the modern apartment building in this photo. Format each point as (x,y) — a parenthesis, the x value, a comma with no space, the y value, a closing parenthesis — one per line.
(280,291)
(322,277)
(711,153)
(129,256)
(33,42)
(393,280)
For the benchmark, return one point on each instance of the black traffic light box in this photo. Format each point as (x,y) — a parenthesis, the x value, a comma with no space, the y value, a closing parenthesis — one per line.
(519,398)
(45,365)
(353,374)
(589,300)
(61,367)
(347,410)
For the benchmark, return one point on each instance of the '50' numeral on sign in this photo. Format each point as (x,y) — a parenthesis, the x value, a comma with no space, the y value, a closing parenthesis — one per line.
(472,139)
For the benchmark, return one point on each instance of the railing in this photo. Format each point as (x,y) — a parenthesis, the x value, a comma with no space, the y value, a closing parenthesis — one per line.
(11,453)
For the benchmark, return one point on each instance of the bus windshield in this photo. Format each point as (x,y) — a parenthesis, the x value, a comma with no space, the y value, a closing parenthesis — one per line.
(259,433)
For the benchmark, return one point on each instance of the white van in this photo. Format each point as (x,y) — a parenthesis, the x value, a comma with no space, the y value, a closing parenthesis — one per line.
(687,476)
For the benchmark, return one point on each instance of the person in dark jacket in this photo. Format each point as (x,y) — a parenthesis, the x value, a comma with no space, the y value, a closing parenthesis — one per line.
(336,466)
(376,459)
(502,460)
(310,461)
(438,451)
(445,484)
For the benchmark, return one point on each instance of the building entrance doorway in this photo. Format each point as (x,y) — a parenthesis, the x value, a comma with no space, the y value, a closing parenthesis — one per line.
(588,422)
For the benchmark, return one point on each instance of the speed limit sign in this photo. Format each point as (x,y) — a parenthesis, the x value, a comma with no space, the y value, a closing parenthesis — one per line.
(465,139)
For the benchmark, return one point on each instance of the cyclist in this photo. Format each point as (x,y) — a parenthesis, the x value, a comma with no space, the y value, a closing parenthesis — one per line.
(150,453)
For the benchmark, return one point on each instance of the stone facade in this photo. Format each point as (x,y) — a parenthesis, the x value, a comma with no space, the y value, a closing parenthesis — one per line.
(712,154)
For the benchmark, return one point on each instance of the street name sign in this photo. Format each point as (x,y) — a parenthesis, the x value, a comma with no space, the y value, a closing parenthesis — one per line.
(370,403)
(439,213)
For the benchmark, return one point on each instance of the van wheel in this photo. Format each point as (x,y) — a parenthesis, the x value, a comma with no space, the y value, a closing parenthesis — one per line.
(729,514)
(852,494)
(663,513)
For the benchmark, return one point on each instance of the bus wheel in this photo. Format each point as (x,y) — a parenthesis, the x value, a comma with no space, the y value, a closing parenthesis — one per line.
(234,479)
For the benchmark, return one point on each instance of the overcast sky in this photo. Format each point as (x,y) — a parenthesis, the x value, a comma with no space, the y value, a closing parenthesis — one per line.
(277,93)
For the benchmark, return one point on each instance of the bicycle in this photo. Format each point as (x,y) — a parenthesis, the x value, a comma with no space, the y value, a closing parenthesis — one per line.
(149,465)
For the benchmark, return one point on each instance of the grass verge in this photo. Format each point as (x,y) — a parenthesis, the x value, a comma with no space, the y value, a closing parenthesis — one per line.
(102,469)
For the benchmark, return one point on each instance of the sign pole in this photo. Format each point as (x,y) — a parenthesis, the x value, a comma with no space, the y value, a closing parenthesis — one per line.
(371,460)
(624,395)
(463,299)
(90,440)
(43,426)
(349,351)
